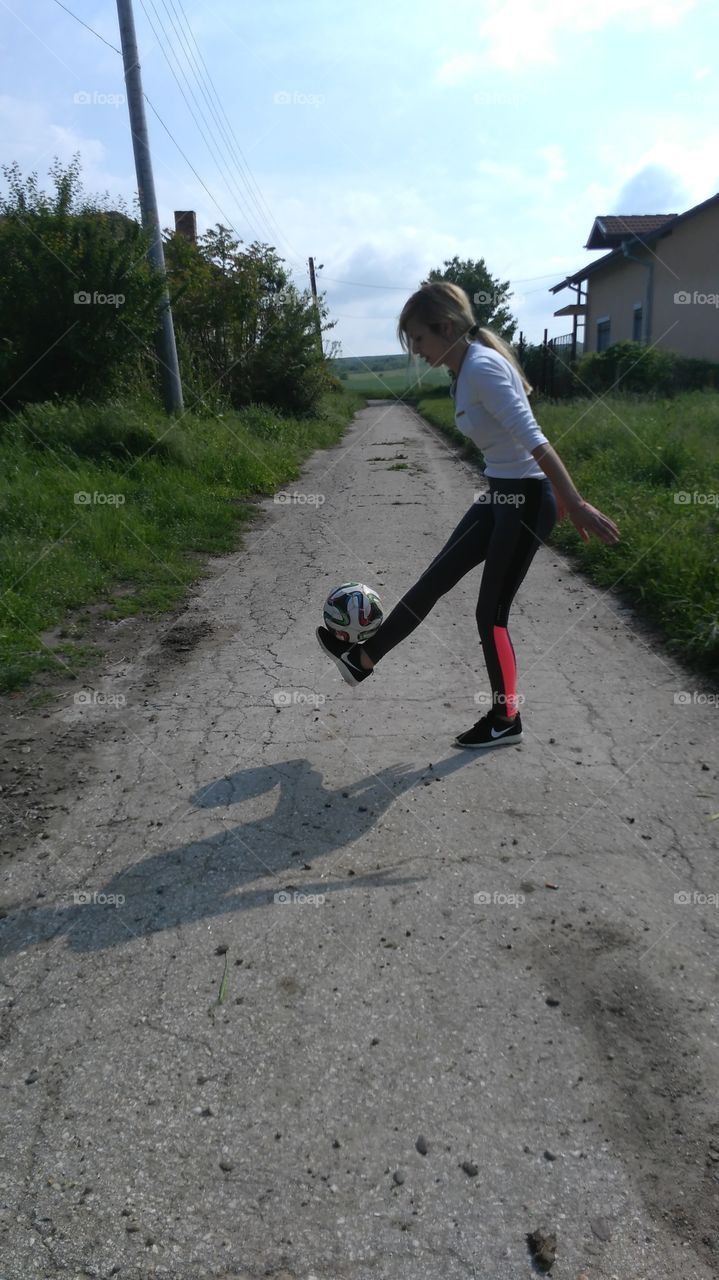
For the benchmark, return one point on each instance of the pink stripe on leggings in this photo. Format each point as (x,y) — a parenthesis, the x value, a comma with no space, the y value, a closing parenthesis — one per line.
(508,668)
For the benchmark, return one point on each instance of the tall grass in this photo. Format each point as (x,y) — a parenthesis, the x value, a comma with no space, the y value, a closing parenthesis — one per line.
(653,466)
(119,504)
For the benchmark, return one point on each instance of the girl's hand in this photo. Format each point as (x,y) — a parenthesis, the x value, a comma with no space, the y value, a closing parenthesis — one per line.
(587,519)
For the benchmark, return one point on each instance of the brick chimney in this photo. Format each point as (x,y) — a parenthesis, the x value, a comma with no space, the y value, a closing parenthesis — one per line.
(186,224)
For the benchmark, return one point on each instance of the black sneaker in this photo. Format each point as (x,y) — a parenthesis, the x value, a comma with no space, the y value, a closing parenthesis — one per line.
(489,732)
(345,656)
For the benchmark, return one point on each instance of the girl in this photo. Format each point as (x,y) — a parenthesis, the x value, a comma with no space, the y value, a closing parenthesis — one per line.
(529,490)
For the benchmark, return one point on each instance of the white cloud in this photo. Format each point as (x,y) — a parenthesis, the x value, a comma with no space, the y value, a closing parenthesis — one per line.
(654,189)
(689,165)
(518,33)
(34,142)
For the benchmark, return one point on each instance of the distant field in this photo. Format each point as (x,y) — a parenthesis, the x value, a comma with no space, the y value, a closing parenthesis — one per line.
(389,382)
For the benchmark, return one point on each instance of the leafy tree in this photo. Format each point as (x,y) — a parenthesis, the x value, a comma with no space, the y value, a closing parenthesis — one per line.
(256,333)
(80,306)
(79,302)
(487,295)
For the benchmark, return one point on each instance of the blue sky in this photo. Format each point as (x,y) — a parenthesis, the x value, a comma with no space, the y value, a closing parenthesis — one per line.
(387,137)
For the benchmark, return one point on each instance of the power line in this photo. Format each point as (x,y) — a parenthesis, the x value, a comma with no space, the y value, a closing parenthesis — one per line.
(360,284)
(238,149)
(194,170)
(88,28)
(194,66)
(215,148)
(403,288)
(159,117)
(217,139)
(215,153)
(153,108)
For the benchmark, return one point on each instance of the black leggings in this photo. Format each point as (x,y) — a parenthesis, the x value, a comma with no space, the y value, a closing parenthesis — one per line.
(505,528)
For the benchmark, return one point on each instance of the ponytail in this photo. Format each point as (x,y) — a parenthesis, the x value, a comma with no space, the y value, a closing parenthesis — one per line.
(490,339)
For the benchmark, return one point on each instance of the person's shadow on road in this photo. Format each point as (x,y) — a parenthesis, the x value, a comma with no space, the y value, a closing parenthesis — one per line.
(214,875)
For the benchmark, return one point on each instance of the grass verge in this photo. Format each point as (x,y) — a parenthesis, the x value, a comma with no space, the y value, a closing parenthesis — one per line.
(120,505)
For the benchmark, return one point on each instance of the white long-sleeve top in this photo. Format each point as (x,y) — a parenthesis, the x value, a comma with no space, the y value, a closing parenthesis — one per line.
(492,409)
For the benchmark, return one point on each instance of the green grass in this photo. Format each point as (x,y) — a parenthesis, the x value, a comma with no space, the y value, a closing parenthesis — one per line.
(163,496)
(630,457)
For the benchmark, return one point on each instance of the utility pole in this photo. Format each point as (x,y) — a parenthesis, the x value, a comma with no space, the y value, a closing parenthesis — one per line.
(313,285)
(167,350)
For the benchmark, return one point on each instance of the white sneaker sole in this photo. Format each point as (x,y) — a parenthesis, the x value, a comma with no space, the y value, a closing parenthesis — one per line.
(343,670)
(482,746)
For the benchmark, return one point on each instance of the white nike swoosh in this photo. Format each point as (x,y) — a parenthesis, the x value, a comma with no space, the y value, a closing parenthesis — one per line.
(498,734)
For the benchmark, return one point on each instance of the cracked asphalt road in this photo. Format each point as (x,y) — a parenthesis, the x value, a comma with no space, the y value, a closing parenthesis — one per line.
(203,1080)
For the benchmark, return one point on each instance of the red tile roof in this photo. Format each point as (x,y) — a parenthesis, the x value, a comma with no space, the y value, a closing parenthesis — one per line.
(609,229)
(668,224)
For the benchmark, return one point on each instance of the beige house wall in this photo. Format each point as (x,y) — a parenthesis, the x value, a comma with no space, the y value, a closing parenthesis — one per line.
(612,294)
(685,261)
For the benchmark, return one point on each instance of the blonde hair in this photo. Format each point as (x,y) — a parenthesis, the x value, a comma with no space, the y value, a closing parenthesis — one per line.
(440,302)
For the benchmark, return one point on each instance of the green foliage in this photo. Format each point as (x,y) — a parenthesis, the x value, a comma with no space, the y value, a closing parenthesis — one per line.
(633,368)
(80,308)
(487,295)
(114,505)
(252,335)
(628,367)
(56,252)
(114,431)
(625,368)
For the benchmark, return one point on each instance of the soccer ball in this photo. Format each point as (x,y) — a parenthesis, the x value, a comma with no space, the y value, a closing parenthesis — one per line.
(353,612)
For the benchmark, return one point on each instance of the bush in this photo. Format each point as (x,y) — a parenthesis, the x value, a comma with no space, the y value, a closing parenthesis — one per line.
(245,332)
(53,253)
(633,368)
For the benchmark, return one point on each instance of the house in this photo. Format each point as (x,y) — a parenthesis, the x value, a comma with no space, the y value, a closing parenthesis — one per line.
(658,284)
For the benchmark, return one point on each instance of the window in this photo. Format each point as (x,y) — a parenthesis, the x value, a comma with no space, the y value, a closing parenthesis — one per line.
(637,327)
(603,333)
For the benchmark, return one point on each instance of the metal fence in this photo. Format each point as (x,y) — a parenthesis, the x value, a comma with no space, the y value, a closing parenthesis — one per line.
(549,364)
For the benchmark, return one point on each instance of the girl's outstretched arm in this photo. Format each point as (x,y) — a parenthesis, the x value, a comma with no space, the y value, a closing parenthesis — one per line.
(586,518)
